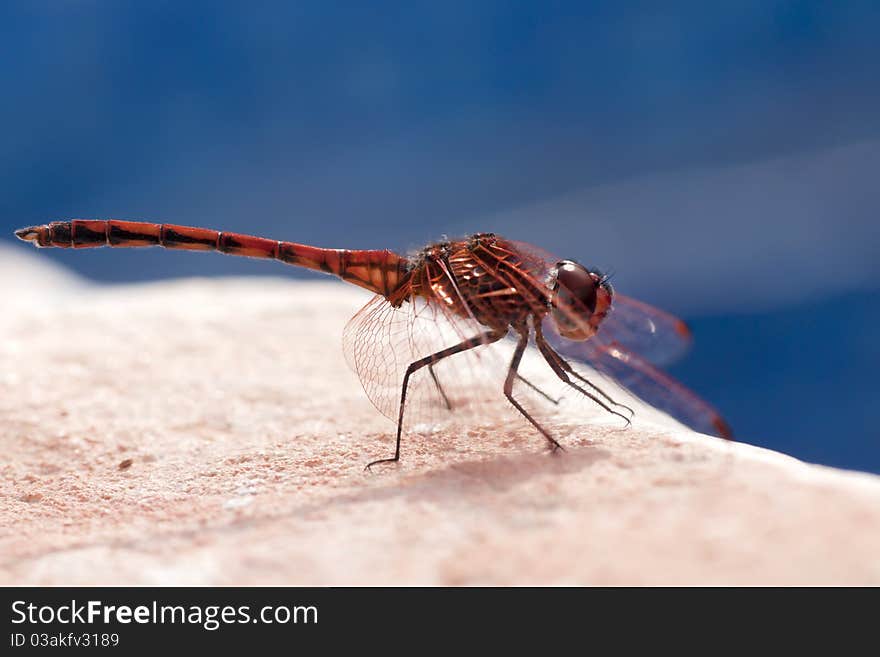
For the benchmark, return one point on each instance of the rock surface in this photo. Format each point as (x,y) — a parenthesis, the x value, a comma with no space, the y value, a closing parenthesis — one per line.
(209,432)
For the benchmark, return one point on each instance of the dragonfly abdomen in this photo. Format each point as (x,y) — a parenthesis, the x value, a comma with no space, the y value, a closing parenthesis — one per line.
(378,271)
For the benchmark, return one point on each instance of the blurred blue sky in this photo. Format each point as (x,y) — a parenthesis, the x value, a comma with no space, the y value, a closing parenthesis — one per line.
(721,157)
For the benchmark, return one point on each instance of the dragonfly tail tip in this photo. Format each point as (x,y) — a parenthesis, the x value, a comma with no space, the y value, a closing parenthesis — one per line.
(29,234)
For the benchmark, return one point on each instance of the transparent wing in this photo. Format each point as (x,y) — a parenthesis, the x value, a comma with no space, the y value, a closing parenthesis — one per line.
(654,334)
(376,342)
(381,341)
(639,376)
(631,342)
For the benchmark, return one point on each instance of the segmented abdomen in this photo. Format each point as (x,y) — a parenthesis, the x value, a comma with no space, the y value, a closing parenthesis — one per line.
(378,271)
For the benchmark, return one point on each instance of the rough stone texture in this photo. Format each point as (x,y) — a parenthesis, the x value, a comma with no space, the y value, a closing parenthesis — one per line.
(209,432)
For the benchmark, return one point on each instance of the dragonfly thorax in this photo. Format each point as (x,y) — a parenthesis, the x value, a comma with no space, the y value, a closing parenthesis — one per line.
(482,278)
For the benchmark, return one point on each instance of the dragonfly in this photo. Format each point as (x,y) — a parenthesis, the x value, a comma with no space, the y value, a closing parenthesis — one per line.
(455,299)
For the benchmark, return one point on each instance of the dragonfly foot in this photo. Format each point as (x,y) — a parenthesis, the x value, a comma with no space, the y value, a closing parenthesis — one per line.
(556,447)
(369,466)
(631,412)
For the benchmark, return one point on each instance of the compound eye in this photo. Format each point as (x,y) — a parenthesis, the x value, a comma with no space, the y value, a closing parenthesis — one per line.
(577,284)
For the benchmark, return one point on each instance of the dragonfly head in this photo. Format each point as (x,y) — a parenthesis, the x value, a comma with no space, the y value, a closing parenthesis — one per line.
(580,301)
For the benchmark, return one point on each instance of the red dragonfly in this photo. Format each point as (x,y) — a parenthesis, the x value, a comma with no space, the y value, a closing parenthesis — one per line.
(456,299)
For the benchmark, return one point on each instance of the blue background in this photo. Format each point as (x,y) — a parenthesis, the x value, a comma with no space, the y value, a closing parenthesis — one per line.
(721,158)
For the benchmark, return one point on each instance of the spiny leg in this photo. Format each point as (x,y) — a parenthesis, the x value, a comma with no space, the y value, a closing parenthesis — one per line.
(508,386)
(562,369)
(536,389)
(486,338)
(548,352)
(439,387)
(568,368)
(564,364)
(518,376)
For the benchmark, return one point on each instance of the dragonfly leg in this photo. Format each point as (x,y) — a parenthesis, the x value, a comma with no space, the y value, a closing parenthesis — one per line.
(570,370)
(485,338)
(518,376)
(536,389)
(562,369)
(439,387)
(508,387)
